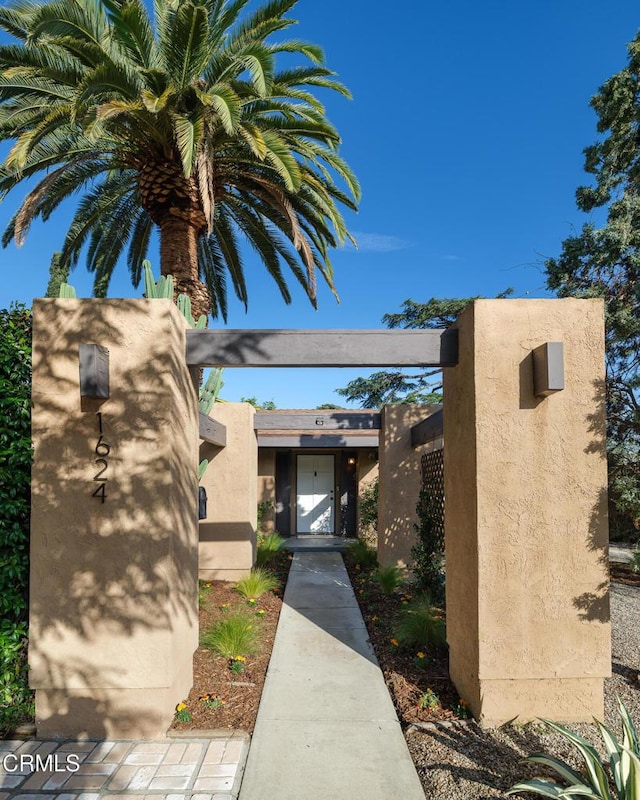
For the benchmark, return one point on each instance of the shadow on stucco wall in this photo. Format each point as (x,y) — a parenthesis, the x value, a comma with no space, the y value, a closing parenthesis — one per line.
(113,578)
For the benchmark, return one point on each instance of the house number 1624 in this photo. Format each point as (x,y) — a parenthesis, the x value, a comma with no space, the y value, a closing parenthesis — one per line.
(102,450)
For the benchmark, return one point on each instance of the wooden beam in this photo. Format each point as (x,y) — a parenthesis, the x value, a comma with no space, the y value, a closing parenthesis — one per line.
(316,348)
(427,430)
(312,440)
(319,421)
(212,431)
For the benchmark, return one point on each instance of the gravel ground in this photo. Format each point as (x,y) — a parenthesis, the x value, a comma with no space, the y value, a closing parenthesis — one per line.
(469,763)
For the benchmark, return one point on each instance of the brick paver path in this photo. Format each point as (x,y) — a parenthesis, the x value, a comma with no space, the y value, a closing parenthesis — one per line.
(173,769)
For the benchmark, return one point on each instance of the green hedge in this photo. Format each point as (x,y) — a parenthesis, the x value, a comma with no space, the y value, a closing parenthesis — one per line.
(16,702)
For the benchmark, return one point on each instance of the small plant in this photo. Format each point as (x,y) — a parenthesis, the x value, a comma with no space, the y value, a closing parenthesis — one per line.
(363,555)
(420,625)
(429,701)
(225,607)
(592,781)
(232,636)
(269,545)
(461,710)
(389,579)
(182,713)
(420,660)
(212,701)
(203,592)
(236,664)
(635,561)
(257,582)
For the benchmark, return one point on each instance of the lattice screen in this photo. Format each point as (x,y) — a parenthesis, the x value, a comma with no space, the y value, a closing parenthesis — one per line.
(433,486)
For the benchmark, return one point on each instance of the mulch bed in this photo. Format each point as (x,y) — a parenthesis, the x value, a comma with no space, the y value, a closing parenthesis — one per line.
(621,573)
(212,677)
(407,676)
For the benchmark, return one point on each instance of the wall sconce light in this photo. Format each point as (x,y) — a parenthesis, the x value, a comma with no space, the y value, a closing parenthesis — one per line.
(94,371)
(351,460)
(548,369)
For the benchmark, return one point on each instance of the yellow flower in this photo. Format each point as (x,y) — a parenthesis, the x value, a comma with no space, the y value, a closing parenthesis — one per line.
(181,706)
(375,618)
(420,655)
(394,642)
(239,658)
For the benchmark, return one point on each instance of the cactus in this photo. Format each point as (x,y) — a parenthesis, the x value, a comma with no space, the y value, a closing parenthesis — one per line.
(162,289)
(66,290)
(184,305)
(209,392)
(202,468)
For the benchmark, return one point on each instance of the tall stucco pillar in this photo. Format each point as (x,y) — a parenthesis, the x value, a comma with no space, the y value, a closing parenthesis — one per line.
(228,535)
(113,606)
(526,520)
(399,474)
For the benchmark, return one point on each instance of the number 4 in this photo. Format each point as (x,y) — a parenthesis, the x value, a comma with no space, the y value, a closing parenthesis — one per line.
(100,491)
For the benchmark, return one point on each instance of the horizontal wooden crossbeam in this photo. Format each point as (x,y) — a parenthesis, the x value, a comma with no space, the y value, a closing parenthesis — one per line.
(317,348)
(310,440)
(212,431)
(320,420)
(427,430)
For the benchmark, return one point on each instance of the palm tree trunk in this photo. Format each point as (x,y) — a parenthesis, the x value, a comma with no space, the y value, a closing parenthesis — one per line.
(179,257)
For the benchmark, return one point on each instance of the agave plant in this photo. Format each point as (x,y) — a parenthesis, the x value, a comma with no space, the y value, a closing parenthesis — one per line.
(592,781)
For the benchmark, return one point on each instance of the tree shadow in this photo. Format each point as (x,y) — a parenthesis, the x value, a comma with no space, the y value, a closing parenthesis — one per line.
(113,573)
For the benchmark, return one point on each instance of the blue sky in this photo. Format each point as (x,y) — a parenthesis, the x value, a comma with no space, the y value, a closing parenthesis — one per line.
(466,131)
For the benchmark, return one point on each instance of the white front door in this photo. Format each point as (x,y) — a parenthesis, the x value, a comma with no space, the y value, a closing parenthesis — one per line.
(315,504)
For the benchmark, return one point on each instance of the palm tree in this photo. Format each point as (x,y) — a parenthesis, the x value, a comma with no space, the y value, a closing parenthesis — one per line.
(179,120)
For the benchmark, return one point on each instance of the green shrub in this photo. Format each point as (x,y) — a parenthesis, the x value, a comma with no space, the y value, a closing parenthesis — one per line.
(269,545)
(389,579)
(257,582)
(428,552)
(231,636)
(16,703)
(363,554)
(420,625)
(265,509)
(592,781)
(368,517)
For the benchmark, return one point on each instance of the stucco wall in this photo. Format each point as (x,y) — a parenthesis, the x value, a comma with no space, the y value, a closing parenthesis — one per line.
(526,527)
(399,469)
(113,605)
(228,535)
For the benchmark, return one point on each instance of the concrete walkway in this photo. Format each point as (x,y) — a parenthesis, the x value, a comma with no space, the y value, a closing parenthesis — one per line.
(326,728)
(193,768)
